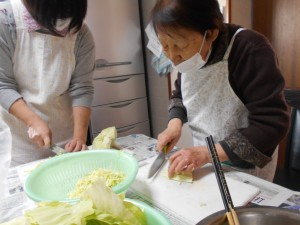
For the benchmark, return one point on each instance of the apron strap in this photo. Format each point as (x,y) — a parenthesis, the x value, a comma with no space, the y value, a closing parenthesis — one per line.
(226,56)
(17,8)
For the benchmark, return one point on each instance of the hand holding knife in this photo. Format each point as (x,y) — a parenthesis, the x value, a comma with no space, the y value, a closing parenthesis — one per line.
(158,162)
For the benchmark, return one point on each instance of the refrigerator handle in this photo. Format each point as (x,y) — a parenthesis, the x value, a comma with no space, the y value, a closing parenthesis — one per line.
(121,105)
(101,63)
(125,129)
(118,80)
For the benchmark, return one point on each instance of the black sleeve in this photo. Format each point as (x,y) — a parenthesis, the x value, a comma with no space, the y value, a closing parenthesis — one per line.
(176,108)
(256,79)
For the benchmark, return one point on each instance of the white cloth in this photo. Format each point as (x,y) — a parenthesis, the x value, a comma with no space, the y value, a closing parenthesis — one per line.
(5,154)
(212,106)
(43,66)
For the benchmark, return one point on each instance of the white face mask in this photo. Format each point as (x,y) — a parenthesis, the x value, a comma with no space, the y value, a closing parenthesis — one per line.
(194,63)
(62,24)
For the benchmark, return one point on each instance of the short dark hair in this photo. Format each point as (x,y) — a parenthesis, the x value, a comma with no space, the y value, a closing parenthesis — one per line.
(197,15)
(46,13)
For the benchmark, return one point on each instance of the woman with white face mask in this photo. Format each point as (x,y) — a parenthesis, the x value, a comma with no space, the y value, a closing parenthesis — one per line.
(229,86)
(46,66)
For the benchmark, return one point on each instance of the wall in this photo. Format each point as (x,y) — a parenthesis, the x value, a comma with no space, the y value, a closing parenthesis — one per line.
(241,12)
(279,21)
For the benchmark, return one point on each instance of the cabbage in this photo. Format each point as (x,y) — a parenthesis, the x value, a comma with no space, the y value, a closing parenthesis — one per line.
(183,177)
(111,208)
(110,178)
(106,139)
(18,221)
(50,213)
(99,205)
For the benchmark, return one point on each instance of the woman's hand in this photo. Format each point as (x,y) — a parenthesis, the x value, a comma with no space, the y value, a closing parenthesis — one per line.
(76,145)
(188,159)
(170,136)
(38,130)
(40,133)
(81,122)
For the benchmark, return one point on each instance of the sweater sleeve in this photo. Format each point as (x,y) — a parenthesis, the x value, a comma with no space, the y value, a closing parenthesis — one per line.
(8,85)
(257,80)
(176,108)
(81,87)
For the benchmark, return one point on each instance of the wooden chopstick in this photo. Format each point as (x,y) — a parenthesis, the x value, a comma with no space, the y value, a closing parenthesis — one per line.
(226,197)
(234,216)
(230,218)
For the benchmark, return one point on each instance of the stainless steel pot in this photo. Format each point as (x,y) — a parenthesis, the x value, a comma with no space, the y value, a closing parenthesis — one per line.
(260,215)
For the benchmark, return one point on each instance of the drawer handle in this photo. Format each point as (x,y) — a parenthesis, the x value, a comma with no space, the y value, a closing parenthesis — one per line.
(101,63)
(121,105)
(122,130)
(117,81)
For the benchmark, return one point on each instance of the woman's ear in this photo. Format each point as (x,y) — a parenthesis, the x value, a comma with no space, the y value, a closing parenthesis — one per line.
(212,34)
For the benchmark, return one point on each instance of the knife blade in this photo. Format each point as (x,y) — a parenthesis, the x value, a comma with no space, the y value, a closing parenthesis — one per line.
(158,162)
(57,150)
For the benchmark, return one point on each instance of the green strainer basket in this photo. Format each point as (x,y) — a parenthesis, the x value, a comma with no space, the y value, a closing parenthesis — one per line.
(54,179)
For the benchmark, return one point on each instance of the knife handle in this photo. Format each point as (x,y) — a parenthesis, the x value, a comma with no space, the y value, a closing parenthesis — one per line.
(165,149)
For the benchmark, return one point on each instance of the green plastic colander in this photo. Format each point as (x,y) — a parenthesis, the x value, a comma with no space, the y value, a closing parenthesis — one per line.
(54,179)
(153,217)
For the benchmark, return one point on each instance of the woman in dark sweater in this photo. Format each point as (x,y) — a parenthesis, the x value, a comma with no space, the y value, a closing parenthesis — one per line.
(229,86)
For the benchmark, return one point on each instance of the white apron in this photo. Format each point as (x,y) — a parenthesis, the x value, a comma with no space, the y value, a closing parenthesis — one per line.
(214,109)
(5,157)
(42,65)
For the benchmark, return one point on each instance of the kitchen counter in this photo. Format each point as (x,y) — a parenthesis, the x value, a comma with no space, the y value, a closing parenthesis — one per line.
(143,149)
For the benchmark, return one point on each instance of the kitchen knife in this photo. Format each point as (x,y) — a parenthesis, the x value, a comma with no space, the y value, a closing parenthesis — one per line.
(57,150)
(158,162)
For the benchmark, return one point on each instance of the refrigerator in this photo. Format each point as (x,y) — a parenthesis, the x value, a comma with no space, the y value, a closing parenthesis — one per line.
(120,97)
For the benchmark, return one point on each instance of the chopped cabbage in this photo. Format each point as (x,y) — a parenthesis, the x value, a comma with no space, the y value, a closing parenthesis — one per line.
(183,177)
(180,177)
(110,178)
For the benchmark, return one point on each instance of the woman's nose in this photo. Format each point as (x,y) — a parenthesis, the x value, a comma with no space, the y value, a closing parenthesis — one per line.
(173,56)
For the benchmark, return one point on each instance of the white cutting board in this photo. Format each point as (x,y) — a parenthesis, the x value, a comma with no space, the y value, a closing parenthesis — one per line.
(190,201)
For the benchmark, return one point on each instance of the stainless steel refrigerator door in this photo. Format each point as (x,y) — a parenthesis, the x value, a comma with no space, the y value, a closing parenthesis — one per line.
(115,25)
(140,128)
(119,114)
(118,89)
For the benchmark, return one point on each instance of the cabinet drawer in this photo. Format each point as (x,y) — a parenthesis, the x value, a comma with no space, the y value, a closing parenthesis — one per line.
(119,114)
(117,89)
(140,128)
